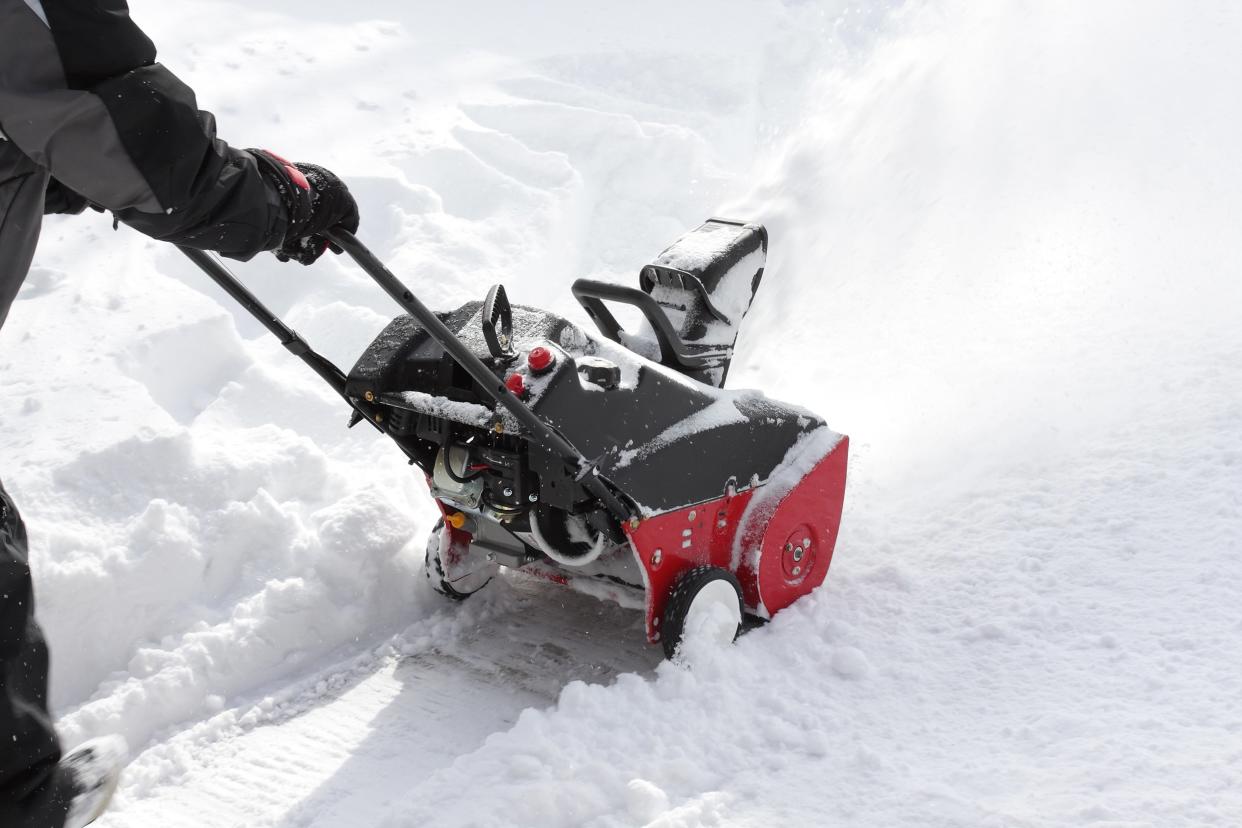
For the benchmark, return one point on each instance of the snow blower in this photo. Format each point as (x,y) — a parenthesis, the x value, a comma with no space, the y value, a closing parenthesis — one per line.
(615,464)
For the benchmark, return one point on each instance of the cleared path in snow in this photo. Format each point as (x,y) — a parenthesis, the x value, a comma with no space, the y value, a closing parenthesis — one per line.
(361,737)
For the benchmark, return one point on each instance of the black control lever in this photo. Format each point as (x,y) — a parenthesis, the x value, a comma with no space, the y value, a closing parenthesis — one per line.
(496,309)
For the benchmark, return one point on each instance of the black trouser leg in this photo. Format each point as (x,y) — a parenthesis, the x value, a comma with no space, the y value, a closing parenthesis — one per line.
(32,793)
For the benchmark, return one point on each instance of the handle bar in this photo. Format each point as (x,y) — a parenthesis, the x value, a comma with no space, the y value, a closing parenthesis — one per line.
(493,386)
(673,351)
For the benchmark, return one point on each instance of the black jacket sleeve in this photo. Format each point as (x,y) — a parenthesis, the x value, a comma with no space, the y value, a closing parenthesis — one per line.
(82,96)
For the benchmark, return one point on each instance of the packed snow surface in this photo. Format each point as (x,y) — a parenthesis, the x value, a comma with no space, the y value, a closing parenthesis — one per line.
(1004,260)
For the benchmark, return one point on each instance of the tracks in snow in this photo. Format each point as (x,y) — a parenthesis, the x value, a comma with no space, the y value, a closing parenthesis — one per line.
(356,743)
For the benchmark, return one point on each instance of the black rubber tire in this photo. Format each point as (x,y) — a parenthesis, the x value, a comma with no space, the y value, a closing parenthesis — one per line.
(434,568)
(672,625)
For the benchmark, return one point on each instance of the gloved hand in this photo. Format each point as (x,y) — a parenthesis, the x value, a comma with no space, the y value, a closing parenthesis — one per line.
(61,199)
(315,201)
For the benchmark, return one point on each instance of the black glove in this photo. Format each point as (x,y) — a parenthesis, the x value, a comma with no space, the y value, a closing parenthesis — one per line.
(315,201)
(61,199)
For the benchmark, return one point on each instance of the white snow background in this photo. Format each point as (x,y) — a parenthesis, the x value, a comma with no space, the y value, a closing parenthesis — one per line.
(1005,259)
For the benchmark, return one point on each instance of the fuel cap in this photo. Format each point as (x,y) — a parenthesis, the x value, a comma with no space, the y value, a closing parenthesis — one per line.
(540,359)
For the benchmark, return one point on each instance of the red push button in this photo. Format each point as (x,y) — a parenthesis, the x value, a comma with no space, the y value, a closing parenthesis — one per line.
(540,359)
(516,384)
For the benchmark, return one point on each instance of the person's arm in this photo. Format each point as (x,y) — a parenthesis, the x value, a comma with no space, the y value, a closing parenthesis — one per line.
(82,96)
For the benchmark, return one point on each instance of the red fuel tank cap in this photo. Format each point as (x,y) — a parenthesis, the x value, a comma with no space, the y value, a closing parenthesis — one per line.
(540,359)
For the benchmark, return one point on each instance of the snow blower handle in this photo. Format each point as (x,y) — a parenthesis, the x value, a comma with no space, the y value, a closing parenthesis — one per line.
(492,385)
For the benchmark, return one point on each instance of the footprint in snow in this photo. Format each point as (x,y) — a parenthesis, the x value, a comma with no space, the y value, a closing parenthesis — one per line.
(41,281)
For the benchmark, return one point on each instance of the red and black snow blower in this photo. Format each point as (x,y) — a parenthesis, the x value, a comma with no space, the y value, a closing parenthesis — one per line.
(615,465)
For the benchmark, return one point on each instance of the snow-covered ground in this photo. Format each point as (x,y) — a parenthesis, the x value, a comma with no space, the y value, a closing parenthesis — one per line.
(1005,260)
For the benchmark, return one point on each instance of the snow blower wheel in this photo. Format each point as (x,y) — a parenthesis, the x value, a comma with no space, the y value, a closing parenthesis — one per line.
(706,604)
(614,463)
(437,566)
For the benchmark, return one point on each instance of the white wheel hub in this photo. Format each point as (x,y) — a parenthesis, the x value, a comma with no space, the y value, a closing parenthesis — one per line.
(714,615)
